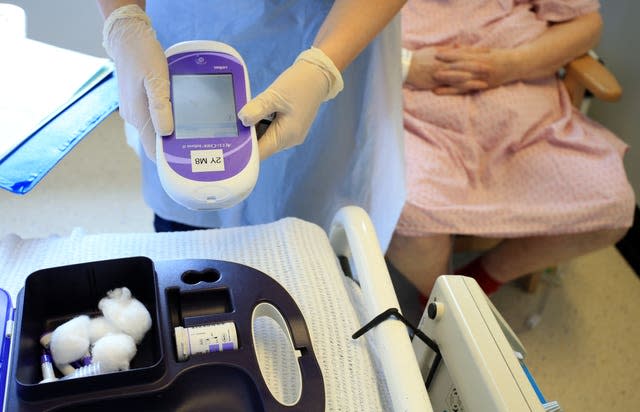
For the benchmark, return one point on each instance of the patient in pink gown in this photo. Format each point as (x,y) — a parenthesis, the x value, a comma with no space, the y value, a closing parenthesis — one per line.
(493,145)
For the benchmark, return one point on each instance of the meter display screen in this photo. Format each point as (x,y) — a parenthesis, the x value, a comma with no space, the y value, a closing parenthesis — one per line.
(204,106)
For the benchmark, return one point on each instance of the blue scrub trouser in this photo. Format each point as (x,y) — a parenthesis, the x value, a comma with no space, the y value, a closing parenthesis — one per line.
(164,225)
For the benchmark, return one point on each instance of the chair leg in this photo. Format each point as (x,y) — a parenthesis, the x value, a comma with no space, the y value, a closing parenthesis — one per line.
(551,280)
(530,282)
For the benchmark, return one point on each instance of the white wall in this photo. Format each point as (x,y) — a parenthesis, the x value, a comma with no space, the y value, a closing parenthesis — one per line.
(73,24)
(619,48)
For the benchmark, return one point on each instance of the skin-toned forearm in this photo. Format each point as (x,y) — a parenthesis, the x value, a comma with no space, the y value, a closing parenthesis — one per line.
(351,25)
(107,6)
(560,44)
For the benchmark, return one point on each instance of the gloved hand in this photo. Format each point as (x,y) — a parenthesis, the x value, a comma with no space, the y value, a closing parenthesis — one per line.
(294,97)
(143,74)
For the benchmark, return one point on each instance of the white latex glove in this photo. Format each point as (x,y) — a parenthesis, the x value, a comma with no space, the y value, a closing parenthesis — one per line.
(143,74)
(294,97)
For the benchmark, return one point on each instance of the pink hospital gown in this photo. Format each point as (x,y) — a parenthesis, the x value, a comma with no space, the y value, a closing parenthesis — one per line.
(510,161)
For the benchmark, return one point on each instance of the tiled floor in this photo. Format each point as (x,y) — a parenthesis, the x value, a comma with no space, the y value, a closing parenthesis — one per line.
(584,352)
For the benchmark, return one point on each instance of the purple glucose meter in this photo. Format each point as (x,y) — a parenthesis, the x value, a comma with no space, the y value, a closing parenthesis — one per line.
(211,160)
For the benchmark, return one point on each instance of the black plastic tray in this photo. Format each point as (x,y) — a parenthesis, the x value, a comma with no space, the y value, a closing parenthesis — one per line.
(181,292)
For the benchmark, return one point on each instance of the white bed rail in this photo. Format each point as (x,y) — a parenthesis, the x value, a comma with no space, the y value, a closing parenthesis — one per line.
(353,236)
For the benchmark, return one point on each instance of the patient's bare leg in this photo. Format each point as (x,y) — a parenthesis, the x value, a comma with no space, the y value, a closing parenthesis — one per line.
(513,258)
(420,259)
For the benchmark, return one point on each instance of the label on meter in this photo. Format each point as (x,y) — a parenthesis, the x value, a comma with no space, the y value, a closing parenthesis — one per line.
(207,160)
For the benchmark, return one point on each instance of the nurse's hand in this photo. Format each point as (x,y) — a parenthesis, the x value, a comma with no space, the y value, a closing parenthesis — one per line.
(143,75)
(294,97)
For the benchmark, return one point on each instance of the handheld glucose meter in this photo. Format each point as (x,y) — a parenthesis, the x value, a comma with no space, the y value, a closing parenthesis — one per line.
(211,160)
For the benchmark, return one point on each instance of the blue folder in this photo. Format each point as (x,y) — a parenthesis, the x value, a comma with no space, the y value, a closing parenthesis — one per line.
(21,170)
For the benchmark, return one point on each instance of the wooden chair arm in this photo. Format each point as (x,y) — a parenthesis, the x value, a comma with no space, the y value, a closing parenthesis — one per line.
(587,73)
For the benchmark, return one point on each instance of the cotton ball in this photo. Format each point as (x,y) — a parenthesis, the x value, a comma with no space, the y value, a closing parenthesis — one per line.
(114,352)
(126,312)
(100,327)
(70,341)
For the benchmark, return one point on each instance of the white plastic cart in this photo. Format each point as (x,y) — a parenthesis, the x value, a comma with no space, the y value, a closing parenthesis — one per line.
(376,372)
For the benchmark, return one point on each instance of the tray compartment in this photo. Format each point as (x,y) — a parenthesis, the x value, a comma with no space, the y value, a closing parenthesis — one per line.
(203,388)
(197,306)
(53,296)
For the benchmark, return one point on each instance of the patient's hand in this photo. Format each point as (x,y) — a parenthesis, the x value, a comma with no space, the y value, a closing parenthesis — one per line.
(428,71)
(423,66)
(469,69)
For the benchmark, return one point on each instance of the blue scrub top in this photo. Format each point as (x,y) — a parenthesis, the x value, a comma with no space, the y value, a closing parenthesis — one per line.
(353,154)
